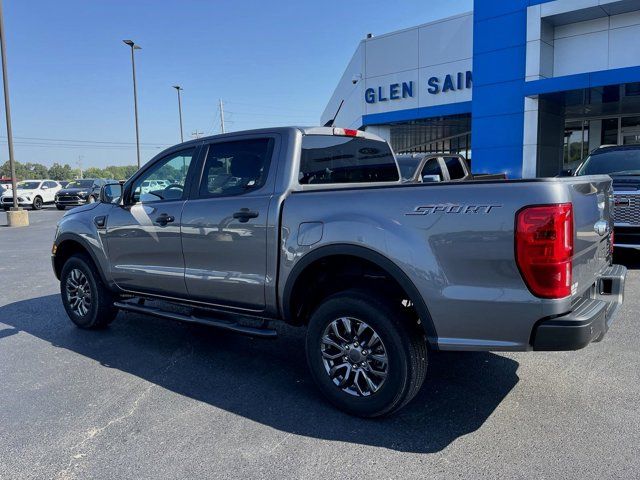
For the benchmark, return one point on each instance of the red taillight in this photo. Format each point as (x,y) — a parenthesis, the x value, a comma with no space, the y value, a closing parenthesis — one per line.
(544,249)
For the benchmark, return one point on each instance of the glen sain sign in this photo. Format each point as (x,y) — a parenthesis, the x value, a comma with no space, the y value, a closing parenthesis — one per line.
(435,86)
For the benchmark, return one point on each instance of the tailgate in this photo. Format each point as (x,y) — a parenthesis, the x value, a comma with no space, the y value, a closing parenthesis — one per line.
(592,203)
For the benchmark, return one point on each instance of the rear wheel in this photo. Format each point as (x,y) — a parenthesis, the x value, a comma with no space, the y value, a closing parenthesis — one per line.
(37,203)
(366,357)
(88,302)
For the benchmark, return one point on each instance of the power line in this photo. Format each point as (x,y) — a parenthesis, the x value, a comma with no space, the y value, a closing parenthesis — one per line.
(86,141)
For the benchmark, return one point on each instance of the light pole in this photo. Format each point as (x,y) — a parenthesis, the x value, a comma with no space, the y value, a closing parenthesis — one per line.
(17,217)
(178,88)
(134,47)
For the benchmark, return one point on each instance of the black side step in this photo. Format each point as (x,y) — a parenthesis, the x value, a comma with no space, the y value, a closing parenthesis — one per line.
(211,322)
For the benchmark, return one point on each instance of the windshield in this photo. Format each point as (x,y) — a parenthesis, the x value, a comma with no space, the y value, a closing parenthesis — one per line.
(408,166)
(28,185)
(612,162)
(80,184)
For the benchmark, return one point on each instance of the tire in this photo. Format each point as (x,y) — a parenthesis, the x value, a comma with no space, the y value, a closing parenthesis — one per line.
(6,209)
(401,338)
(37,203)
(60,207)
(99,311)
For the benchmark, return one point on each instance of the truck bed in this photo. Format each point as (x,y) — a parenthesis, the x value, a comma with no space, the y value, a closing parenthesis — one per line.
(455,241)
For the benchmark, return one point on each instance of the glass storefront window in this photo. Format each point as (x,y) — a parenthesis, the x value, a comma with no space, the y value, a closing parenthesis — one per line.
(576,142)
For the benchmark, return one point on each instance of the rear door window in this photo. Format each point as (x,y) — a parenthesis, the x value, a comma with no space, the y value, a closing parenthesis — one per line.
(236,167)
(455,168)
(335,159)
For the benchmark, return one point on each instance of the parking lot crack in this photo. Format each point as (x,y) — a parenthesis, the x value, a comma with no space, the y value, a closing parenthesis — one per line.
(77,453)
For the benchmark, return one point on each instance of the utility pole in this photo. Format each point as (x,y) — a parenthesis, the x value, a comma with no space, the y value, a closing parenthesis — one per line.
(135,47)
(80,157)
(221,115)
(178,88)
(197,134)
(14,218)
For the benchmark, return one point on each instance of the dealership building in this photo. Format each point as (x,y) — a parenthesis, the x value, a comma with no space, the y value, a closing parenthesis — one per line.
(526,87)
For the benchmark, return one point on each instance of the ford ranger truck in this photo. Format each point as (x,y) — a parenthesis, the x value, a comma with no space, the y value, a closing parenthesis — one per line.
(314,227)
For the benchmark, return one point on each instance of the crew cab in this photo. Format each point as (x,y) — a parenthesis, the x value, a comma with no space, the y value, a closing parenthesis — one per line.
(622,164)
(439,167)
(31,193)
(314,227)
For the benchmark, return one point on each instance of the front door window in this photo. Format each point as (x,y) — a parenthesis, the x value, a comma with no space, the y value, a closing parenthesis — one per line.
(165,180)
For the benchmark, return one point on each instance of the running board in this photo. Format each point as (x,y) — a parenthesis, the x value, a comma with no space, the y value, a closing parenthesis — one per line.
(210,322)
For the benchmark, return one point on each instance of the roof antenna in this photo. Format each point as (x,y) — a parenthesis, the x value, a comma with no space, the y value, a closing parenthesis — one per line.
(333,120)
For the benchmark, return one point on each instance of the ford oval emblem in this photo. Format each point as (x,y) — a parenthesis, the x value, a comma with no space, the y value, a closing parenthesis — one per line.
(601,228)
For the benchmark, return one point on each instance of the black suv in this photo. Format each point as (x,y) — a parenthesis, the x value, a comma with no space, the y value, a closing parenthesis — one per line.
(79,192)
(622,163)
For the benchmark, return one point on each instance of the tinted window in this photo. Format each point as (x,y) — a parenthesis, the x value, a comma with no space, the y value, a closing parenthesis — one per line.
(51,184)
(454,166)
(234,168)
(334,159)
(624,161)
(172,170)
(408,166)
(432,167)
(80,184)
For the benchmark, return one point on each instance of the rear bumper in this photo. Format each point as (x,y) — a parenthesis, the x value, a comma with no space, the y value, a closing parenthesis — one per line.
(590,319)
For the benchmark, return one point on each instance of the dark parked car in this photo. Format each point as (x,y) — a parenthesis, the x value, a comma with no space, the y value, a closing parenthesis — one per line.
(622,164)
(79,192)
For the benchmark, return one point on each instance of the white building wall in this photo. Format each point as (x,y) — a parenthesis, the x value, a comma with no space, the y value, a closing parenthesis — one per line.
(416,54)
(568,37)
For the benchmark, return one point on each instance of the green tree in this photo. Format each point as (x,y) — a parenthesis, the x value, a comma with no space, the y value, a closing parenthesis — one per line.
(94,172)
(61,172)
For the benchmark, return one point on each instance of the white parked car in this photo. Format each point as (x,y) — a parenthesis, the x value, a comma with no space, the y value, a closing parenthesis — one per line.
(31,193)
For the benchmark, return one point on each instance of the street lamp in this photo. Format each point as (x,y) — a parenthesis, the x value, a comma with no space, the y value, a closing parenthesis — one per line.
(135,93)
(16,217)
(178,88)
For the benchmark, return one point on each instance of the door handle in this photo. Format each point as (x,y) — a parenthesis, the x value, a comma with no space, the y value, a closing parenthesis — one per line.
(244,215)
(163,219)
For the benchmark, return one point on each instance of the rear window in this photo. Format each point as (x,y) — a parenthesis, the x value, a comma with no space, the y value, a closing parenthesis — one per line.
(334,159)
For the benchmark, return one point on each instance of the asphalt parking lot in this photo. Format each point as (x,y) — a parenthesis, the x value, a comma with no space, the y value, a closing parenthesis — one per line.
(149,398)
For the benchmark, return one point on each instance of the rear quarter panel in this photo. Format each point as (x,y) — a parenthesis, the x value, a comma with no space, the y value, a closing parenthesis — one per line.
(460,256)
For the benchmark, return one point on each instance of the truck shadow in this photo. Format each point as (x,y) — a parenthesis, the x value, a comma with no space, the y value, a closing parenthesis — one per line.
(267,380)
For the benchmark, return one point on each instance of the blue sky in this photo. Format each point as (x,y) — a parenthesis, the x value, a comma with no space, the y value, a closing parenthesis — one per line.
(272,62)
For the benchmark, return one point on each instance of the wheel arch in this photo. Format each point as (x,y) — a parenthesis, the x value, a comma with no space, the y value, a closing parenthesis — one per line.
(357,253)
(68,245)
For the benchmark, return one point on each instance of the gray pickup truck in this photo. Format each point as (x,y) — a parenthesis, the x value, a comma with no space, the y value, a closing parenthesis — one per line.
(314,227)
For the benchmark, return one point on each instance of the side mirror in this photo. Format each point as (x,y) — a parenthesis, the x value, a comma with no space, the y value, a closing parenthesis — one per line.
(430,178)
(111,193)
(45,187)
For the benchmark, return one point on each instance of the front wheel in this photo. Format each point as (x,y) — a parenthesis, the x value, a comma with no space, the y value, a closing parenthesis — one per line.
(366,357)
(88,302)
(60,207)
